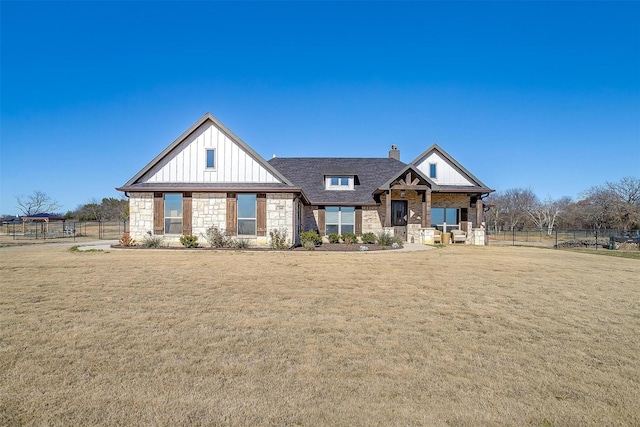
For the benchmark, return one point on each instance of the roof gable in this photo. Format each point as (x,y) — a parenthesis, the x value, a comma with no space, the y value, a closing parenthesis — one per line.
(408,178)
(449,171)
(183,161)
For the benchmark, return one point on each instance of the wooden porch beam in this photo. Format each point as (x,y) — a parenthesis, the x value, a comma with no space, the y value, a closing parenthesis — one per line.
(410,187)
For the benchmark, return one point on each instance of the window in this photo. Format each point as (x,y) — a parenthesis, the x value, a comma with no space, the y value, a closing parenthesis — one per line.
(440,216)
(211,159)
(173,213)
(246,214)
(339,182)
(432,170)
(339,219)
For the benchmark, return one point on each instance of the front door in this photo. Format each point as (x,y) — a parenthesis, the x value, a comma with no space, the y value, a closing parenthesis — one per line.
(399,218)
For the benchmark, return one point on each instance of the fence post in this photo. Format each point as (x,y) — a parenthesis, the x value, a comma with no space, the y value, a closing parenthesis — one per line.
(596,239)
(556,238)
(513,233)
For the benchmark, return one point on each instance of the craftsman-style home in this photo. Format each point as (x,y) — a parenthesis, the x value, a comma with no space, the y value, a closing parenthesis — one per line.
(209,177)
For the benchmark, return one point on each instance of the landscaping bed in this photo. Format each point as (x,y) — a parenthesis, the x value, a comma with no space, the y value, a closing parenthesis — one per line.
(325,247)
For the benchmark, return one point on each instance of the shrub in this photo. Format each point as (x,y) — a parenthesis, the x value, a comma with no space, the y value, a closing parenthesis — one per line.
(217,238)
(386,239)
(241,244)
(333,238)
(151,241)
(349,237)
(310,239)
(189,241)
(279,239)
(126,240)
(368,238)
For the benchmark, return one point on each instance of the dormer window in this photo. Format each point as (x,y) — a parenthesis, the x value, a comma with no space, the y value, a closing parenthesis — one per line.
(339,182)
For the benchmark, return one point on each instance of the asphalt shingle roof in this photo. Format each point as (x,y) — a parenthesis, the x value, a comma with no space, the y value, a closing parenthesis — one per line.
(308,173)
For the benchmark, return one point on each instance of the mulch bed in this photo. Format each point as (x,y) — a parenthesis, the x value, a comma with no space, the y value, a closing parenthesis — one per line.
(325,247)
(341,247)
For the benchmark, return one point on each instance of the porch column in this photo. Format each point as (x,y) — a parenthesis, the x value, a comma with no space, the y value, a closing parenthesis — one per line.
(479,209)
(387,217)
(424,210)
(427,208)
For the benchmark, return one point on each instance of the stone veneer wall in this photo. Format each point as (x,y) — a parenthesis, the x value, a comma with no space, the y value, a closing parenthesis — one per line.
(372,220)
(209,210)
(310,218)
(140,215)
(280,215)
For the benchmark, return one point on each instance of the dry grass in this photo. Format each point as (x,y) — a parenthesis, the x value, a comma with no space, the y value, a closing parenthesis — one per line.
(454,336)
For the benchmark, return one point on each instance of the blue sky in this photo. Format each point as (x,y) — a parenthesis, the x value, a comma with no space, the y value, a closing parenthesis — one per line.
(543,95)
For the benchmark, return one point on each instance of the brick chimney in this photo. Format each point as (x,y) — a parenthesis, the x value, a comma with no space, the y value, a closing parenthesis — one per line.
(394,153)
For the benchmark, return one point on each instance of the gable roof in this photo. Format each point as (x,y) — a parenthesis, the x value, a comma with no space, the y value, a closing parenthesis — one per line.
(409,168)
(455,164)
(309,174)
(135,184)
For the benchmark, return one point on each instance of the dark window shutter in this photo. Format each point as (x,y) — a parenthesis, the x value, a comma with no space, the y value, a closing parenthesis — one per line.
(358,221)
(261,201)
(187,214)
(158,213)
(232,214)
(321,220)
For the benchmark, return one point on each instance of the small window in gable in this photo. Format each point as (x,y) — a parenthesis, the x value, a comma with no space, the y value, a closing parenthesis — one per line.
(432,170)
(211,159)
(339,182)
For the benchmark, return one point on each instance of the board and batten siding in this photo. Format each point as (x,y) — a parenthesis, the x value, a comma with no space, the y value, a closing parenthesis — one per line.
(446,173)
(187,162)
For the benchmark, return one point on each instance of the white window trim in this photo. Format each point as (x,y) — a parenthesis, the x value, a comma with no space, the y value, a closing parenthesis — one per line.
(207,168)
(340,222)
(436,170)
(181,217)
(339,187)
(254,219)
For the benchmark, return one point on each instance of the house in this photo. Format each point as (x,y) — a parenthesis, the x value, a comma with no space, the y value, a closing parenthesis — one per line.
(209,177)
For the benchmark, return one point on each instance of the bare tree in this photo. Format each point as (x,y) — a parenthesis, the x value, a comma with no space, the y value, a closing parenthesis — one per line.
(614,205)
(495,215)
(519,202)
(35,203)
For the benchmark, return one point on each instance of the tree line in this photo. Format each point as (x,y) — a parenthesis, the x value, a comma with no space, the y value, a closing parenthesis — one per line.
(108,209)
(613,205)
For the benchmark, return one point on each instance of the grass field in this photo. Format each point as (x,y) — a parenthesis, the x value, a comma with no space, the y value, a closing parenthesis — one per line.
(460,336)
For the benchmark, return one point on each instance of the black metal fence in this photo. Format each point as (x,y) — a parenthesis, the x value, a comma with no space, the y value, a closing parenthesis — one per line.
(608,238)
(39,230)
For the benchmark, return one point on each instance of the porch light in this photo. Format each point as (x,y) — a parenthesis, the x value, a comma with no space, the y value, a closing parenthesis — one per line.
(402,194)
